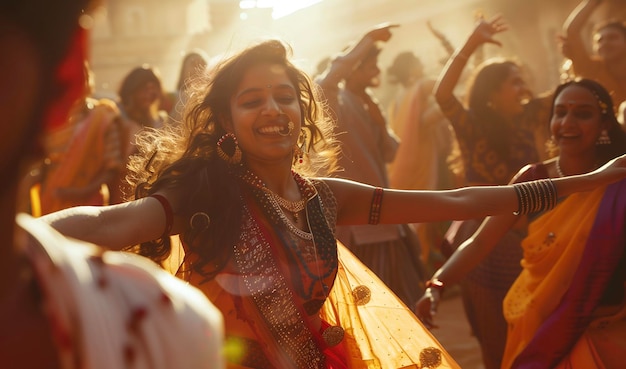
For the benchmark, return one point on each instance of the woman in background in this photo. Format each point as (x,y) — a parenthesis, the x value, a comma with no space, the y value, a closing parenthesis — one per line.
(498,132)
(567,308)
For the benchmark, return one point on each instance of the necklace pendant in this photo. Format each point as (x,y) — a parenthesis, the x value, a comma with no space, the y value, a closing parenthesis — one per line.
(296,217)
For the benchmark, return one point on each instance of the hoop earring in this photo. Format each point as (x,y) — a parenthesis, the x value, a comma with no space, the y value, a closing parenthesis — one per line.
(233,159)
(604,138)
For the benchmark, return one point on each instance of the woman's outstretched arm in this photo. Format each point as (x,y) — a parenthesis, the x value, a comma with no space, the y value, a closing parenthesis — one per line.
(115,226)
(407,206)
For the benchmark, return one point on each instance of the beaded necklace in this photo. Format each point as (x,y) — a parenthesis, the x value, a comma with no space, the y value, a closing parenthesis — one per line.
(558,167)
(292,206)
(275,213)
(279,203)
(559,171)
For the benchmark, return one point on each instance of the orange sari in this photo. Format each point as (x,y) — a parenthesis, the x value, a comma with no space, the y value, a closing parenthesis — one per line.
(269,323)
(87,155)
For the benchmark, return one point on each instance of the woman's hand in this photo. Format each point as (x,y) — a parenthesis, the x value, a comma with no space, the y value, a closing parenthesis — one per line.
(426,307)
(381,32)
(486,29)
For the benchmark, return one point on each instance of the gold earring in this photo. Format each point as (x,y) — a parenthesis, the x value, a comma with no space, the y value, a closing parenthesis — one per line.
(299,150)
(604,138)
(233,159)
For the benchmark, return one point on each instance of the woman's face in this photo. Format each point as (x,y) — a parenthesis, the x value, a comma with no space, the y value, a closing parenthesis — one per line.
(508,100)
(577,120)
(146,95)
(262,107)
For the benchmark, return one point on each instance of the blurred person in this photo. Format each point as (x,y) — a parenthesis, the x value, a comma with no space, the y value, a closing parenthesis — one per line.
(567,308)
(63,303)
(428,157)
(89,163)
(498,132)
(367,146)
(607,62)
(139,97)
(193,66)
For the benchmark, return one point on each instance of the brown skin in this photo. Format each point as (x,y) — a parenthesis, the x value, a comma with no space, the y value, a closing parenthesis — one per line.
(25,329)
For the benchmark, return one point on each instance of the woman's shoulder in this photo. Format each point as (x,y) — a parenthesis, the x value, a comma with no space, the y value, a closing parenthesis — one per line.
(531,172)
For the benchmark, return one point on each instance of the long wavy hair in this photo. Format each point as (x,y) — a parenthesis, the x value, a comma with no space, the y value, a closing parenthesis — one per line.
(488,78)
(617,147)
(183,157)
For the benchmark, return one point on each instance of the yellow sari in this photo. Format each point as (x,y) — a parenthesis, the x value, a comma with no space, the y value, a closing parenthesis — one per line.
(569,254)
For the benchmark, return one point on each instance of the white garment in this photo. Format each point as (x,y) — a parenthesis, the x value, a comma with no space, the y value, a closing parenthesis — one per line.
(119,310)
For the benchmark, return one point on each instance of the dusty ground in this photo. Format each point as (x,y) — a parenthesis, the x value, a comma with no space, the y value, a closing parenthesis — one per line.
(455,335)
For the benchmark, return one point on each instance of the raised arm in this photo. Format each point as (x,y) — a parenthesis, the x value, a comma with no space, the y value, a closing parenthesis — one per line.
(572,28)
(343,65)
(115,226)
(449,77)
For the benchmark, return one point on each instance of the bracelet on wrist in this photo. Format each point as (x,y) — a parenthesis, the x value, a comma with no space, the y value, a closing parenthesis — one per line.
(436,284)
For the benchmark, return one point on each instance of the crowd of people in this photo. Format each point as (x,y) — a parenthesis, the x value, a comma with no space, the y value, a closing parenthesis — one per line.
(301,214)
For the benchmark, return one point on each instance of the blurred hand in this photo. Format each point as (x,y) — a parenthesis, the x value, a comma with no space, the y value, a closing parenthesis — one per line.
(381,32)
(426,307)
(486,29)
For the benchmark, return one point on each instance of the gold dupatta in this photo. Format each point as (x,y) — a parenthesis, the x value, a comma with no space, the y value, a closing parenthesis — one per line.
(552,252)
(381,332)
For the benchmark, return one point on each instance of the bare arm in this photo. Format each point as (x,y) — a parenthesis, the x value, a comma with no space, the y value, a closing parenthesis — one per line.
(483,33)
(113,226)
(352,57)
(471,252)
(572,28)
(400,206)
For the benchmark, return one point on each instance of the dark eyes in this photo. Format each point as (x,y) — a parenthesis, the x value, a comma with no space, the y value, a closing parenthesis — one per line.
(252,103)
(583,114)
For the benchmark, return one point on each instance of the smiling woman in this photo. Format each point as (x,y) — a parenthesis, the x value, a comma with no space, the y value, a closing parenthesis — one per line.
(566,307)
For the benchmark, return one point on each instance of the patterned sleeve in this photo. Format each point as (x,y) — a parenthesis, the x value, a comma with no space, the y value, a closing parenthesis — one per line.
(458,116)
(113,157)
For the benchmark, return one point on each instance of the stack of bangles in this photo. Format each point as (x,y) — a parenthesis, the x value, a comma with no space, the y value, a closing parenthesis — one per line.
(535,196)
